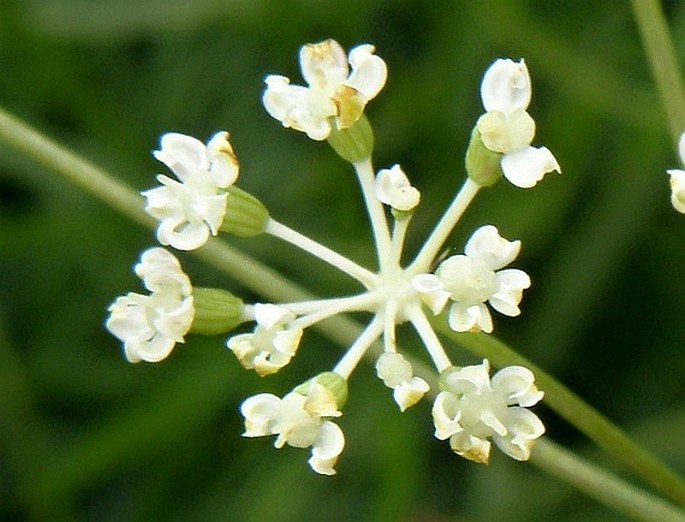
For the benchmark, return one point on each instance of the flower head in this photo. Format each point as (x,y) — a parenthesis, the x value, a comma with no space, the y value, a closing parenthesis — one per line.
(507,128)
(678,180)
(334,92)
(193,206)
(475,278)
(150,325)
(300,420)
(273,342)
(472,408)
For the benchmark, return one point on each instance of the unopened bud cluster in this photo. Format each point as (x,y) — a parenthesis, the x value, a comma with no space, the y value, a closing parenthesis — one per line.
(201,200)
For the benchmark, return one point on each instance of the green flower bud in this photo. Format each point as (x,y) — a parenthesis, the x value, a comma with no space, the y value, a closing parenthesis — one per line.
(246,216)
(333,382)
(353,143)
(216,311)
(482,164)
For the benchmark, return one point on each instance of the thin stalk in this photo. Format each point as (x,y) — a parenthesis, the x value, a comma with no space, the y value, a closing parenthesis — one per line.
(444,227)
(333,258)
(601,485)
(663,61)
(580,414)
(430,340)
(399,233)
(355,352)
(379,221)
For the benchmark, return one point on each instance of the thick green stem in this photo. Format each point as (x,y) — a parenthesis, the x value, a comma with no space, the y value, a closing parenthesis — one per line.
(662,59)
(579,413)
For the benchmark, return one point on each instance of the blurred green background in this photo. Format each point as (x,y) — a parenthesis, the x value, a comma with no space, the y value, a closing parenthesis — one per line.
(86,436)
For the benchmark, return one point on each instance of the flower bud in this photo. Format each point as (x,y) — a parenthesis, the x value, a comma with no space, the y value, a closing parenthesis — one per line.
(482,165)
(354,143)
(216,311)
(334,383)
(246,216)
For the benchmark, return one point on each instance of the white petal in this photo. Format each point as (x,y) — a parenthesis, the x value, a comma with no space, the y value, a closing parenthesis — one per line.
(506,86)
(182,234)
(128,318)
(506,133)
(327,448)
(431,291)
(260,412)
(471,447)
(269,315)
(474,318)
(393,188)
(510,286)
(524,168)
(524,427)
(175,323)
(473,379)
(517,385)
(323,63)
(224,167)
(408,393)
(155,349)
(446,415)
(486,244)
(182,154)
(369,72)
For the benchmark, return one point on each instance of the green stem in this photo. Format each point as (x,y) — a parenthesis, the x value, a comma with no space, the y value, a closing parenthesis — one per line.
(579,413)
(662,59)
(601,485)
(258,278)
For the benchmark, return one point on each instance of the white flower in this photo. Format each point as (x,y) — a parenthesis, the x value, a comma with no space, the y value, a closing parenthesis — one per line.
(194,206)
(474,278)
(299,420)
(273,342)
(150,325)
(397,373)
(678,180)
(393,189)
(473,408)
(507,128)
(333,91)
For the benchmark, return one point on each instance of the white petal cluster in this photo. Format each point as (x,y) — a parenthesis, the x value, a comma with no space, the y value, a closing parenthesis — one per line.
(338,88)
(396,373)
(393,189)
(299,420)
(474,408)
(192,207)
(150,325)
(475,278)
(507,128)
(273,342)
(678,180)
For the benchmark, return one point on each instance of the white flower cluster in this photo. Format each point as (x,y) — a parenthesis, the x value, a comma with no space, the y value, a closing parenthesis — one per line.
(470,409)
(150,325)
(300,420)
(194,206)
(473,408)
(507,128)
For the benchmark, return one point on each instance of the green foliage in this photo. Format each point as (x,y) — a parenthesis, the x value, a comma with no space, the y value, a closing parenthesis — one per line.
(86,436)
